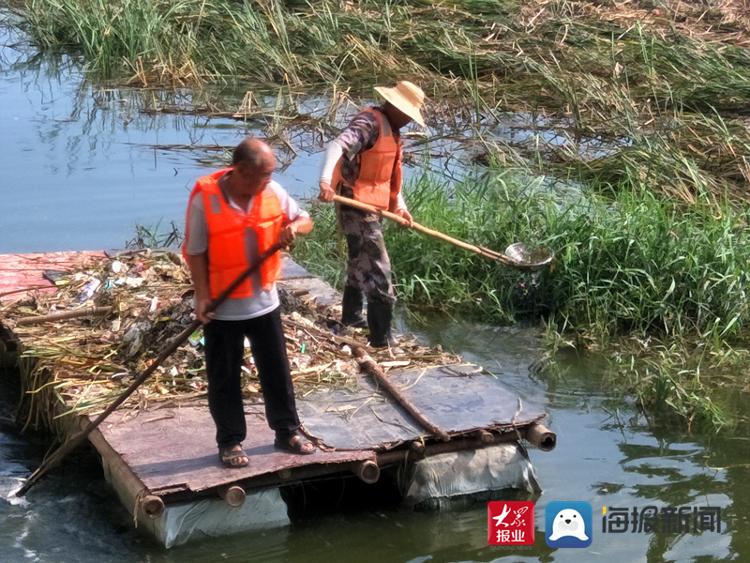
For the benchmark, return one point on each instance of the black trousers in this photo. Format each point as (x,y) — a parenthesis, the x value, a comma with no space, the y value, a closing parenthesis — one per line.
(224,356)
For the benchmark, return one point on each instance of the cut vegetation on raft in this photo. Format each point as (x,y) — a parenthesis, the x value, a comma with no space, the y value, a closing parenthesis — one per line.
(109,319)
(617,134)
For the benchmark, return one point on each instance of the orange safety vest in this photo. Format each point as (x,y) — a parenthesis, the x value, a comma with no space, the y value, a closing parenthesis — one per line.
(379,180)
(227,252)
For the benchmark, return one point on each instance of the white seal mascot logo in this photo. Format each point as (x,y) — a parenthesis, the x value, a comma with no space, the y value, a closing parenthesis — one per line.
(568,522)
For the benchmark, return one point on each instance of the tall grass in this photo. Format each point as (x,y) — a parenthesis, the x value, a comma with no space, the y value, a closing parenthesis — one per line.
(662,91)
(313,43)
(660,285)
(631,263)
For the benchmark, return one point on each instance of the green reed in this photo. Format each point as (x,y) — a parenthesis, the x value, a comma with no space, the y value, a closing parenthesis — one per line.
(628,263)
(631,267)
(662,92)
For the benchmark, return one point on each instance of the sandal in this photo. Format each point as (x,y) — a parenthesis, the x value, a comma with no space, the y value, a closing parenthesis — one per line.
(295,444)
(233,456)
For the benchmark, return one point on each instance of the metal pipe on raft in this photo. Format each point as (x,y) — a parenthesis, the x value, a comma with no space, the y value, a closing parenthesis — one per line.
(540,436)
(368,471)
(234,495)
(485,437)
(152,506)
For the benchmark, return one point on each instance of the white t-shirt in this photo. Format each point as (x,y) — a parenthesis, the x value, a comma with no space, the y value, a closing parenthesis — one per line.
(196,242)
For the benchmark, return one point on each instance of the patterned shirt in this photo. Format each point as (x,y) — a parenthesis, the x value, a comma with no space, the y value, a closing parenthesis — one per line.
(359,136)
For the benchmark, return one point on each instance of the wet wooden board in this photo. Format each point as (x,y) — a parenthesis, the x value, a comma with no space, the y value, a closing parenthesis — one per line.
(21,273)
(172,450)
(458,399)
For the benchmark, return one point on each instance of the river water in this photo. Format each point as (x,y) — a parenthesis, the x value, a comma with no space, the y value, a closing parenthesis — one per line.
(82,166)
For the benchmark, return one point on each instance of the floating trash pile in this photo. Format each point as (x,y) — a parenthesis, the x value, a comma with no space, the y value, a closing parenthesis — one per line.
(83,345)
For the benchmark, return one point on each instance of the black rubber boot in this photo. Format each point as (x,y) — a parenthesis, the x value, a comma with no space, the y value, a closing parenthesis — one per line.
(351,308)
(379,316)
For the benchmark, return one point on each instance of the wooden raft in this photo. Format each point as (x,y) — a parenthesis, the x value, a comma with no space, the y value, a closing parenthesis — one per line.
(166,455)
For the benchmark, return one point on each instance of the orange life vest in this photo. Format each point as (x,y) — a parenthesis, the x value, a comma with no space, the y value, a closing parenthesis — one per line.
(227,252)
(379,180)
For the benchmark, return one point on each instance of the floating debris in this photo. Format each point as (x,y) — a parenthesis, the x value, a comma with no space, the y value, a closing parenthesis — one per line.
(82,346)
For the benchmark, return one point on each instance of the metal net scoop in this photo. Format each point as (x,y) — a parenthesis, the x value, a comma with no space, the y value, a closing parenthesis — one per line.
(522,256)
(517,255)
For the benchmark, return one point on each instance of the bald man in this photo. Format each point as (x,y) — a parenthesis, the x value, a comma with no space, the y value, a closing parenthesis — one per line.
(234,215)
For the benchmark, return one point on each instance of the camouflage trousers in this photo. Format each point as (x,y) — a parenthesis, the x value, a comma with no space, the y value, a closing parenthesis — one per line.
(369,267)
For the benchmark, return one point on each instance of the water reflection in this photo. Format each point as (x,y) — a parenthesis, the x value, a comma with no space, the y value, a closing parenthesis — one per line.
(607,457)
(84,164)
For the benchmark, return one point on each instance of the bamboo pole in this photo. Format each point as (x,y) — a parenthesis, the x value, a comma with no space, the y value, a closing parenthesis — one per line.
(57,456)
(233,495)
(368,471)
(542,437)
(370,366)
(63,315)
(481,250)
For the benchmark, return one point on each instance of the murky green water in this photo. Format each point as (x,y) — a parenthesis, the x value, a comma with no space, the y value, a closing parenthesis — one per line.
(82,167)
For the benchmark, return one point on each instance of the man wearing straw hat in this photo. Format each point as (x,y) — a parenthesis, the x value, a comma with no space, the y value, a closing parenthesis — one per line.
(364,163)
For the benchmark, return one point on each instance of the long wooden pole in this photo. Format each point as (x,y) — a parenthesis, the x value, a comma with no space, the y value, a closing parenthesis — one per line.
(370,366)
(57,456)
(481,250)
(63,315)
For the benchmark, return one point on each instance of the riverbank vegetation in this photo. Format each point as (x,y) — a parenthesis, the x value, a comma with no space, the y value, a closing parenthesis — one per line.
(618,134)
(666,85)
(635,273)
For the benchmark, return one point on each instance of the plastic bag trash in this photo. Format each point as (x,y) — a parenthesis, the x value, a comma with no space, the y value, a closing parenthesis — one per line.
(89,289)
(133,337)
(196,338)
(117,266)
(134,282)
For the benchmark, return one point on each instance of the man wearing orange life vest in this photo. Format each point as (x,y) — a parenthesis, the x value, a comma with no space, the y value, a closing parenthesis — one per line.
(364,163)
(234,215)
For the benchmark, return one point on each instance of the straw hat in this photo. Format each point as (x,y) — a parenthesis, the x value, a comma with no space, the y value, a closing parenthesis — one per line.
(406,97)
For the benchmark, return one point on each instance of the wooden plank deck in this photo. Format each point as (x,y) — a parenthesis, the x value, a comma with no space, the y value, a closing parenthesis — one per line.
(173,451)
(21,273)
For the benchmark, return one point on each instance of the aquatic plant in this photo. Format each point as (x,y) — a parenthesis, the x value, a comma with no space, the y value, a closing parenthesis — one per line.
(631,266)
(155,236)
(674,94)
(629,263)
